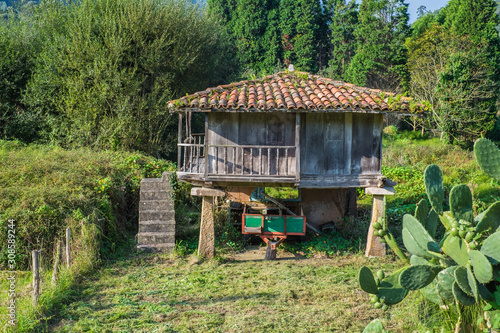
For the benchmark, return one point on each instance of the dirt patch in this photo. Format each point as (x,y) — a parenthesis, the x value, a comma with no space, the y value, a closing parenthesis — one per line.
(258,253)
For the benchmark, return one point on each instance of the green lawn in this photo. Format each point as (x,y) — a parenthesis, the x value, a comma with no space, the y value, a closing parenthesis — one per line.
(157,293)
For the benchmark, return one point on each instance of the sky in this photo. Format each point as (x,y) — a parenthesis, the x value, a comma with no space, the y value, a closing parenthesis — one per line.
(431,5)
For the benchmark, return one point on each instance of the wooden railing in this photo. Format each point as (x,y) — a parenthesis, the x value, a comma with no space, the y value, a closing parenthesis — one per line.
(251,160)
(197,157)
(192,154)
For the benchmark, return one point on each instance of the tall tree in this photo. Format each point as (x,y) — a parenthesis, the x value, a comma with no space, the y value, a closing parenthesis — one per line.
(381,56)
(453,73)
(343,22)
(302,30)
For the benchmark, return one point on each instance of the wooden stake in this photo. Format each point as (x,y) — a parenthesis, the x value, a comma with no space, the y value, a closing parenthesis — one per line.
(36,278)
(68,254)
(57,260)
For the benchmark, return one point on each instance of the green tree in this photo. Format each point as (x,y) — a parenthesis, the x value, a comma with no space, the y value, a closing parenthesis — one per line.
(454,74)
(343,22)
(19,45)
(381,56)
(302,30)
(105,77)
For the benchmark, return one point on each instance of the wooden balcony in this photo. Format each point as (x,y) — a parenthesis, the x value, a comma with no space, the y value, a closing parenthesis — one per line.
(203,162)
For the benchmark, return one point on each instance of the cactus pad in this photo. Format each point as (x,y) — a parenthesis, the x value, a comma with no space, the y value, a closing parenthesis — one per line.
(431,293)
(446,220)
(432,223)
(445,280)
(463,281)
(490,221)
(390,290)
(367,281)
(416,260)
(488,157)
(375,326)
(413,247)
(456,249)
(417,277)
(481,265)
(461,296)
(422,211)
(420,234)
(433,179)
(491,248)
(472,282)
(461,203)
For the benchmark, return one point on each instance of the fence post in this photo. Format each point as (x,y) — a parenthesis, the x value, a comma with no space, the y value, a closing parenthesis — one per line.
(57,260)
(36,278)
(68,247)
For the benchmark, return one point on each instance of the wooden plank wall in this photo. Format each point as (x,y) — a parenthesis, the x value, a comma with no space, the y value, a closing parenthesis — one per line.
(340,144)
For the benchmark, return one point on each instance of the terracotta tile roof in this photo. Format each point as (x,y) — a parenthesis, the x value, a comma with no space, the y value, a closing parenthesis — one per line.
(296,92)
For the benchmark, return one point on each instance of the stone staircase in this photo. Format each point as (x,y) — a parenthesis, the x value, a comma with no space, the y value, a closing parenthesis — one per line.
(156,216)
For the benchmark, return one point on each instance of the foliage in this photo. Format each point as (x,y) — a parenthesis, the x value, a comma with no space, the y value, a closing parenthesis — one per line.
(327,244)
(381,56)
(344,20)
(108,68)
(460,268)
(453,62)
(45,189)
(19,46)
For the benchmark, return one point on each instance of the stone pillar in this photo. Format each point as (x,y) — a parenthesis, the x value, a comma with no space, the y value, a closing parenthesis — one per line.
(374,248)
(206,244)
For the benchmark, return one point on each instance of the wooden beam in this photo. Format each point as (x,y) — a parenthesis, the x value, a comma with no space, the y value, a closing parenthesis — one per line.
(347,143)
(179,140)
(297,146)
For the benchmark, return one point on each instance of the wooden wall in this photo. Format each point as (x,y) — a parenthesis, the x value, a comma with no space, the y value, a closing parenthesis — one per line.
(340,144)
(331,143)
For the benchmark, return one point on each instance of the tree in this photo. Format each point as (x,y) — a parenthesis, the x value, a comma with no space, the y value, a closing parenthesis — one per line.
(343,23)
(453,73)
(381,56)
(103,79)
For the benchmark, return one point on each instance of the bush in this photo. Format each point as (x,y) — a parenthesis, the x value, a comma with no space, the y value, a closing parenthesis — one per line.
(45,189)
(107,69)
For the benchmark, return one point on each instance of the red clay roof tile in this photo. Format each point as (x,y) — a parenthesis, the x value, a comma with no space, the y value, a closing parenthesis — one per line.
(295,91)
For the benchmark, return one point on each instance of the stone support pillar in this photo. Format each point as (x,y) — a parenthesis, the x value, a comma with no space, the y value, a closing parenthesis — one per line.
(375,248)
(206,244)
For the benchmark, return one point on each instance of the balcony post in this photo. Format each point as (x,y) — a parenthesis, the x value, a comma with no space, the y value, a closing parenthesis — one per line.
(297,148)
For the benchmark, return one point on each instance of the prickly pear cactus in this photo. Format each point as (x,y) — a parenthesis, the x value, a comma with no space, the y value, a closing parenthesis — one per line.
(488,157)
(461,267)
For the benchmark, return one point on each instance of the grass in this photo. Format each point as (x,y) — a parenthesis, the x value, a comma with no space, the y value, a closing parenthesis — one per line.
(47,188)
(157,293)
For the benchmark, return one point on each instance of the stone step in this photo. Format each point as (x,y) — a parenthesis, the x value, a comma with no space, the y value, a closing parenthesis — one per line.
(151,238)
(156,205)
(157,215)
(153,184)
(156,226)
(161,247)
(147,195)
